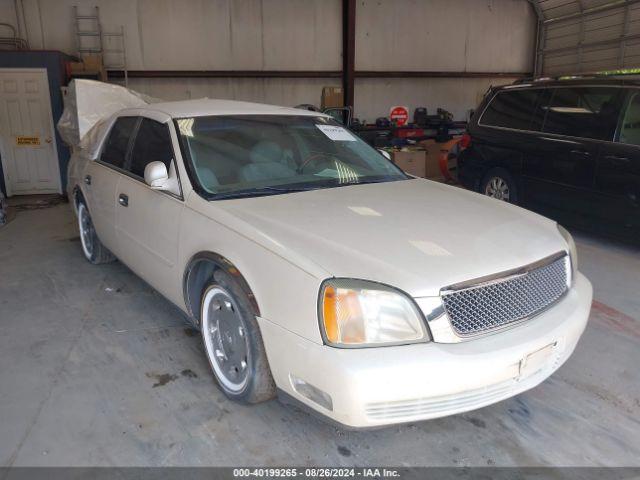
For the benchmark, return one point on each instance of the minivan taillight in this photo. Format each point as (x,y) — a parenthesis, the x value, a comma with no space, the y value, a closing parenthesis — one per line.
(465,141)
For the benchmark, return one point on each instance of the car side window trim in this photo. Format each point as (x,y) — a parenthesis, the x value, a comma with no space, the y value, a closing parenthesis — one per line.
(187,161)
(127,166)
(630,88)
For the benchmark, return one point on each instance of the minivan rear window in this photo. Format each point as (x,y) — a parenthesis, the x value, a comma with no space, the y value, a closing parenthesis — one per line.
(587,112)
(511,109)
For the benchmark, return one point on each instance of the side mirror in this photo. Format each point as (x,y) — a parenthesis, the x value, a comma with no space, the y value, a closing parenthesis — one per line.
(384,153)
(156,175)
(340,114)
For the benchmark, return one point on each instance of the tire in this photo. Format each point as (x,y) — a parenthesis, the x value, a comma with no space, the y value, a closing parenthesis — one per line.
(499,184)
(92,248)
(233,343)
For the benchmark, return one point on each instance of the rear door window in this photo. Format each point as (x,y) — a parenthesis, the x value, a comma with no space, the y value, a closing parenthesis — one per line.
(117,144)
(152,144)
(511,109)
(586,112)
(630,129)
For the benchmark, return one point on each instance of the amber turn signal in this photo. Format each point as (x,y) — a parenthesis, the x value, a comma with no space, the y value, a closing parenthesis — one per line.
(329,314)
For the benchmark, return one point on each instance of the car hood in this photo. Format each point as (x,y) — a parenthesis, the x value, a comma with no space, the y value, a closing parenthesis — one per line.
(416,235)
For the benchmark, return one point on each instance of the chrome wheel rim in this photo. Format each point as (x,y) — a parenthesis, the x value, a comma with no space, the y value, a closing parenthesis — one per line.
(225,339)
(86,231)
(497,188)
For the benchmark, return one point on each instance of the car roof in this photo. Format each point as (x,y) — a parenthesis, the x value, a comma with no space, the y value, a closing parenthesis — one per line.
(629,81)
(208,106)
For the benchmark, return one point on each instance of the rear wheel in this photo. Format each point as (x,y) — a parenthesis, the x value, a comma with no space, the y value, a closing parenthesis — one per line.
(233,342)
(499,184)
(92,248)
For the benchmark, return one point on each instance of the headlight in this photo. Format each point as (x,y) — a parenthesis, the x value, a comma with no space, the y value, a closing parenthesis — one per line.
(359,313)
(573,252)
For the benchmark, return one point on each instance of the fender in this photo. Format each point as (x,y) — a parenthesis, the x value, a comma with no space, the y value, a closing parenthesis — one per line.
(199,270)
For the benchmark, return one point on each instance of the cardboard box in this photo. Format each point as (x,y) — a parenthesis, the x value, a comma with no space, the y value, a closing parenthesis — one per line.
(76,67)
(332,97)
(91,65)
(432,159)
(412,161)
(435,152)
(92,61)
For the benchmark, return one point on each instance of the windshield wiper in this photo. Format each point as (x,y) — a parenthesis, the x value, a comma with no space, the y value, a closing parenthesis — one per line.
(263,191)
(259,191)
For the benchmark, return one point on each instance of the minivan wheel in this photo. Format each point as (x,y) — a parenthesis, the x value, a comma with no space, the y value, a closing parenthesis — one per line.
(499,184)
(233,343)
(92,248)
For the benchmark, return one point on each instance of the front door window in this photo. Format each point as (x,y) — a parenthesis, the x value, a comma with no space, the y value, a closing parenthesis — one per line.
(152,144)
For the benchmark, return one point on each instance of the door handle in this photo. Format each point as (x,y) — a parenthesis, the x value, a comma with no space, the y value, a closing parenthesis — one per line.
(581,153)
(123,200)
(617,160)
(87,179)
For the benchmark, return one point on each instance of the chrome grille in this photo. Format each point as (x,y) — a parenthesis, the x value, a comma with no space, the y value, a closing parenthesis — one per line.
(493,304)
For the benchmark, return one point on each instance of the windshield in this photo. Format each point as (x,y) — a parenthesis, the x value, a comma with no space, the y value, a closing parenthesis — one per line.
(269,154)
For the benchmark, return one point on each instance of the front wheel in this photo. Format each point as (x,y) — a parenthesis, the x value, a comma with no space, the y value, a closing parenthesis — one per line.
(499,184)
(92,248)
(233,342)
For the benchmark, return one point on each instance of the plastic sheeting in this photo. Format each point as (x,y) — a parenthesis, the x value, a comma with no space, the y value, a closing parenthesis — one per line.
(88,101)
(3,211)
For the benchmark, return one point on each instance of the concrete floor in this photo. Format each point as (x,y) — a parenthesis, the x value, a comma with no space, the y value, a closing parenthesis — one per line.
(98,369)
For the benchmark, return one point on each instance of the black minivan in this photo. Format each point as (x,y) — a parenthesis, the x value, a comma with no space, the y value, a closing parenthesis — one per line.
(569,149)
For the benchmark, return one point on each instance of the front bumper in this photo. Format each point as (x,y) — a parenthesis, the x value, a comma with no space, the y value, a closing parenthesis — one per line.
(380,386)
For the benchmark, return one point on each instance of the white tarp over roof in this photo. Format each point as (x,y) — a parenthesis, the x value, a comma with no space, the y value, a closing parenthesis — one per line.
(89,101)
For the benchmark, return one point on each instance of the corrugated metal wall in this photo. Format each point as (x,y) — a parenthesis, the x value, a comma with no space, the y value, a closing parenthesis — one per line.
(438,35)
(201,34)
(588,35)
(401,35)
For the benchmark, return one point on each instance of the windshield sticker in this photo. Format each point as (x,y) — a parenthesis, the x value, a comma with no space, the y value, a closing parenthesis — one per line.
(338,134)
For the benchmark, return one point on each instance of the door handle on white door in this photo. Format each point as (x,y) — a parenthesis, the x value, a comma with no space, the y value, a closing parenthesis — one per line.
(123,200)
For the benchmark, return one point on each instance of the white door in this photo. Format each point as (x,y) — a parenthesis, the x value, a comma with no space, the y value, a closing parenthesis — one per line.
(27,142)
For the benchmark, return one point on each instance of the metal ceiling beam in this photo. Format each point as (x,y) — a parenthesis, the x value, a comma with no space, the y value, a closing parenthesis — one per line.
(348,50)
(537,8)
(540,35)
(591,11)
(613,41)
(437,74)
(113,73)
(625,32)
(581,34)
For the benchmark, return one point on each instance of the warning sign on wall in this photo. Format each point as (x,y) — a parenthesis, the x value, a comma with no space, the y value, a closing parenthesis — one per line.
(27,141)
(399,115)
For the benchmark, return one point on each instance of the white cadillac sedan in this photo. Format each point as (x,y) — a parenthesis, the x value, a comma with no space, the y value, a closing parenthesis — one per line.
(317,269)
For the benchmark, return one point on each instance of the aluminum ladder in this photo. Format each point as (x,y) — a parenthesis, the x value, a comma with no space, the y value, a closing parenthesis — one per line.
(91,39)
